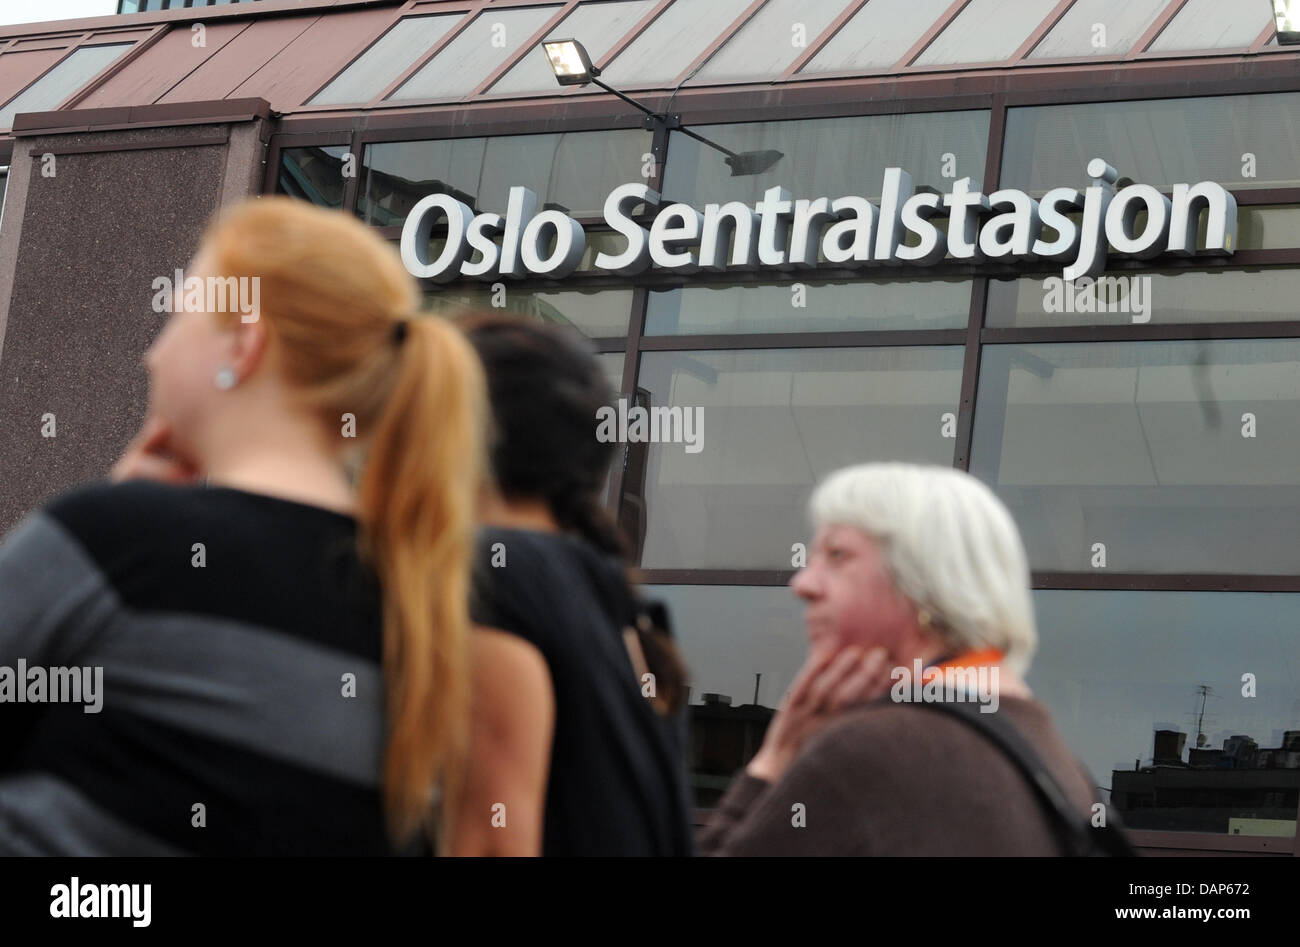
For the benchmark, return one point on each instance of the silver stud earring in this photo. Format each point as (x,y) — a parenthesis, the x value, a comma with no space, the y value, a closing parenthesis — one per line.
(225,379)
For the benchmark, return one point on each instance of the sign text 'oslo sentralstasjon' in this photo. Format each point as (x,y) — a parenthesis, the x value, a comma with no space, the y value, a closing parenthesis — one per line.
(778,231)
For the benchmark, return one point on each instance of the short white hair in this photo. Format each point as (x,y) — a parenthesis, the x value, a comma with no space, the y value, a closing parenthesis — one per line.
(951,546)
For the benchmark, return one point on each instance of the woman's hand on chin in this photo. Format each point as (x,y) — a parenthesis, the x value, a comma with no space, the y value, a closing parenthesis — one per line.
(149,457)
(828,683)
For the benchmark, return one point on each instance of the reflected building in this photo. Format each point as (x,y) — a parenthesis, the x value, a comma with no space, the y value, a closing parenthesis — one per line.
(1240,789)
(723,739)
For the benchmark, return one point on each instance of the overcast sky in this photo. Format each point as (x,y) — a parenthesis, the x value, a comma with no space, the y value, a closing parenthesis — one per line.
(30,11)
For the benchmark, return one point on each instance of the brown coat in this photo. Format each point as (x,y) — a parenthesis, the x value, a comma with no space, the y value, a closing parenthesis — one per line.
(891,779)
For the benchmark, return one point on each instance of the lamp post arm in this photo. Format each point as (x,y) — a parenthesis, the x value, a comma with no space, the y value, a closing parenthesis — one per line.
(662,118)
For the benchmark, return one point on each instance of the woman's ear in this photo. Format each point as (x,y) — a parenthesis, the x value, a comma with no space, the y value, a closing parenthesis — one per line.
(248,347)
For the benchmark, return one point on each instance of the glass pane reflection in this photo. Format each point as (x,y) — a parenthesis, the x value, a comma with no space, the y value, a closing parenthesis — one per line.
(314,174)
(1147,689)
(829,157)
(767,425)
(743,646)
(986,31)
(574,171)
(599,314)
(1212,24)
(483,46)
(1162,457)
(868,304)
(1160,142)
(1262,295)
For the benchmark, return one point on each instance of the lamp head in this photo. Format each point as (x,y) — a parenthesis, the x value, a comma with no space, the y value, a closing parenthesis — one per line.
(569,61)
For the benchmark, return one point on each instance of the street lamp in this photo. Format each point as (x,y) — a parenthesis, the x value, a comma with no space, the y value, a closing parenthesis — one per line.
(1287,15)
(572,66)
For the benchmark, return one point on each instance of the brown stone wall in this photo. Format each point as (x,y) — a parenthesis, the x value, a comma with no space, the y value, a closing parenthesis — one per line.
(79,251)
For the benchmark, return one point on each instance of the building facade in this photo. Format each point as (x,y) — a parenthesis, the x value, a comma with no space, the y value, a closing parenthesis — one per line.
(1142,421)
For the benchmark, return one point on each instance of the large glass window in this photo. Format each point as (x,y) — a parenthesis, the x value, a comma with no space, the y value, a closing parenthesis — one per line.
(829,157)
(1184,705)
(1176,742)
(743,645)
(877,36)
(571,170)
(986,31)
(599,313)
(771,40)
(380,65)
(598,26)
(672,42)
(62,81)
(483,46)
(1161,457)
(1255,295)
(1106,28)
(810,307)
(1240,141)
(766,425)
(314,174)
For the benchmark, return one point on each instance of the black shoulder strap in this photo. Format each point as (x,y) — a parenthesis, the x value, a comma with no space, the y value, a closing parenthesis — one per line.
(1077,835)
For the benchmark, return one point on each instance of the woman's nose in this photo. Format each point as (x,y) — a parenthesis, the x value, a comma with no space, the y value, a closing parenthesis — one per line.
(803,583)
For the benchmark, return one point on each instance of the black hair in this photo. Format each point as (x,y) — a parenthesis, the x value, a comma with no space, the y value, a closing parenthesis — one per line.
(546,389)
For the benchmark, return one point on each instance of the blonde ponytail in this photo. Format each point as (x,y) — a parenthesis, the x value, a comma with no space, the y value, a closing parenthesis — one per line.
(334,297)
(416,502)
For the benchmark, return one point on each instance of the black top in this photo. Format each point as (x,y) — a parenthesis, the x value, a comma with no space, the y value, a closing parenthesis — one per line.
(617,782)
(240,709)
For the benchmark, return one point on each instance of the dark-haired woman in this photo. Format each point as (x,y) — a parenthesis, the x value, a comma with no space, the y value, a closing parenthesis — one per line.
(577,746)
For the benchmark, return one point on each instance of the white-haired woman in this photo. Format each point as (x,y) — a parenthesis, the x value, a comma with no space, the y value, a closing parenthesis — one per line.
(911,568)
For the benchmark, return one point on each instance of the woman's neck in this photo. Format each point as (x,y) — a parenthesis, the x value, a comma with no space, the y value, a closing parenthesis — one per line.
(292,467)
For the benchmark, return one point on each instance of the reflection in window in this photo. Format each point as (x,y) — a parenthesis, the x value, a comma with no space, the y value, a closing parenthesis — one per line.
(672,42)
(877,36)
(314,174)
(742,646)
(598,26)
(766,426)
(597,314)
(1212,24)
(478,50)
(1160,142)
(1159,457)
(380,65)
(764,47)
(574,171)
(1155,298)
(817,307)
(1147,689)
(62,81)
(986,31)
(1076,34)
(829,157)
(611,364)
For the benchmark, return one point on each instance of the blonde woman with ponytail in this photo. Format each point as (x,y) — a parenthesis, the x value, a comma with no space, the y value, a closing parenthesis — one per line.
(285,645)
